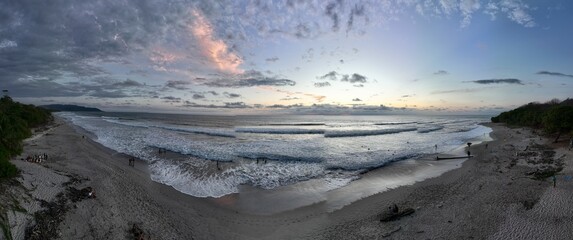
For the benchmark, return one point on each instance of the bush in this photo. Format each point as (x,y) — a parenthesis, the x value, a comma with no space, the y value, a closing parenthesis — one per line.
(552,116)
(16,120)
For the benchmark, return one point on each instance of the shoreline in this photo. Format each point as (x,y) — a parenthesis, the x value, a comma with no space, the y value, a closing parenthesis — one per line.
(127,195)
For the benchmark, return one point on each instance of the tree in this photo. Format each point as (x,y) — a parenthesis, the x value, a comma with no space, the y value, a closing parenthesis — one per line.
(559,119)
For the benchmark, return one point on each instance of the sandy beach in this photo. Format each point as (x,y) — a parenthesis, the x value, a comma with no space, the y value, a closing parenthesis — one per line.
(491,196)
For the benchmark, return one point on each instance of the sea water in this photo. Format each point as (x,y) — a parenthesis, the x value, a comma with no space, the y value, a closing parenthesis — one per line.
(277,152)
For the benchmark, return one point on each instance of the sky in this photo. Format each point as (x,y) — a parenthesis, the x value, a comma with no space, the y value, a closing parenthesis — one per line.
(287,56)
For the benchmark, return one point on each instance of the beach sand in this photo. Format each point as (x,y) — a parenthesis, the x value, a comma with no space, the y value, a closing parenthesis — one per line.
(489,197)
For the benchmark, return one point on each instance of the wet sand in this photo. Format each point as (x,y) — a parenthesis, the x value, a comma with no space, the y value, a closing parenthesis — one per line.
(490,196)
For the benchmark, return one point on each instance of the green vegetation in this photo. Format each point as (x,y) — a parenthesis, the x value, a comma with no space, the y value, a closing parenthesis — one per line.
(16,120)
(553,116)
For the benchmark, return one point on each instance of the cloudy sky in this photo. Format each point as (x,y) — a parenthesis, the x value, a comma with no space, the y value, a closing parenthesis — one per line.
(287,56)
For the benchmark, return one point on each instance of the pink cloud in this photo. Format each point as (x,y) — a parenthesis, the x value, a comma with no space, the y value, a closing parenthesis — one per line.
(215,50)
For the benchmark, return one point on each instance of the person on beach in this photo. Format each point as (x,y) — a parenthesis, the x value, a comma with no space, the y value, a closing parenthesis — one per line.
(570,143)
(554,178)
(436,148)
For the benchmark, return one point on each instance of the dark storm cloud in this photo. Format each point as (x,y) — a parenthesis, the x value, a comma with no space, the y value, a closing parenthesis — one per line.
(322,84)
(499,81)
(554,74)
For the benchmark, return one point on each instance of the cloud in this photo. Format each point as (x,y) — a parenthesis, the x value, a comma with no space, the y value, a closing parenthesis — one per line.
(273,59)
(171,99)
(332,75)
(516,11)
(177,84)
(318,98)
(45,46)
(213,93)
(198,96)
(214,49)
(441,72)
(357,11)
(127,83)
(499,81)
(60,40)
(322,84)
(250,78)
(330,109)
(555,74)
(356,100)
(231,95)
(465,90)
(332,13)
(228,105)
(289,98)
(467,7)
(354,78)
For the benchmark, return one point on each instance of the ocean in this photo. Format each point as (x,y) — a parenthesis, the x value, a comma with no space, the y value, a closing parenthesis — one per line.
(216,156)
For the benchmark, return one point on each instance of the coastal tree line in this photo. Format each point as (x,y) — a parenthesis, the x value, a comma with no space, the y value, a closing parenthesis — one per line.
(553,117)
(16,122)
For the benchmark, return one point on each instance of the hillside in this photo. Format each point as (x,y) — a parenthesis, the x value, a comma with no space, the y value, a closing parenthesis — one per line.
(69,108)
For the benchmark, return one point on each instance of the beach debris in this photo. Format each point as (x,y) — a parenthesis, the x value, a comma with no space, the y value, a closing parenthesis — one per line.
(47,221)
(392,232)
(76,195)
(37,158)
(138,233)
(528,204)
(394,213)
(545,171)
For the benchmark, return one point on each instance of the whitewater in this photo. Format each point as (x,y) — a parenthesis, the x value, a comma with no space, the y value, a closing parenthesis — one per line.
(269,152)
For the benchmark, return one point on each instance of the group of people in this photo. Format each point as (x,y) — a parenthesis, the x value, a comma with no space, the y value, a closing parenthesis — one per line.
(37,158)
(132,161)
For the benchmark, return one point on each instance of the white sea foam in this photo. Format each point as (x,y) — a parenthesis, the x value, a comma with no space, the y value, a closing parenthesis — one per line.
(279,130)
(369,132)
(430,129)
(297,151)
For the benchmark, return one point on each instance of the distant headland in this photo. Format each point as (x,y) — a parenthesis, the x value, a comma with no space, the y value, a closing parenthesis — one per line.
(70,108)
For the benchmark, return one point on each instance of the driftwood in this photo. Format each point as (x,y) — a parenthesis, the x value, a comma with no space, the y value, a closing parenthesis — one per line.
(392,216)
(138,233)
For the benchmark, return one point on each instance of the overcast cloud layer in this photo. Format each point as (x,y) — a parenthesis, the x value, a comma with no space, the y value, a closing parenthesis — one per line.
(155,54)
